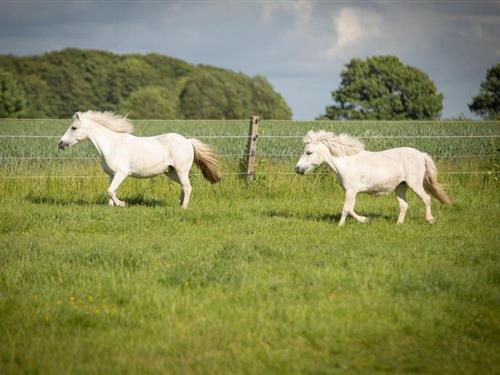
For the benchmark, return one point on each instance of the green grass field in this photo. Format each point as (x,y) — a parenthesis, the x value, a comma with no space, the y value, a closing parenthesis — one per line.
(252,278)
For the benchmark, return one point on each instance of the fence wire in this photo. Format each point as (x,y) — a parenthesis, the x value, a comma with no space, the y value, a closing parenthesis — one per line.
(258,155)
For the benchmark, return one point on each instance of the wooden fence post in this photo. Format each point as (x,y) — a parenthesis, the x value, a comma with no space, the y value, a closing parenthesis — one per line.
(253,134)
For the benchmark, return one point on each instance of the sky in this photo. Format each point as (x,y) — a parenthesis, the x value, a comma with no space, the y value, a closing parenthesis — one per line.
(301,47)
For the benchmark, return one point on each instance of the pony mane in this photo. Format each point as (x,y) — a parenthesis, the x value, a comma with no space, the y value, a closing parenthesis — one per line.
(116,123)
(339,145)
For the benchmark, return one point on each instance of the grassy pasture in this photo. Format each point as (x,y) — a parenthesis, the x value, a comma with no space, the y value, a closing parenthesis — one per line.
(251,278)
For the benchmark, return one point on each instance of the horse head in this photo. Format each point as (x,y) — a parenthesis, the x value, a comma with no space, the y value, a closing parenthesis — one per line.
(76,132)
(316,151)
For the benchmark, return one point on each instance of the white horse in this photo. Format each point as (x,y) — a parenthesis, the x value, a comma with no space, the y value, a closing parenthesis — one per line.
(361,171)
(123,154)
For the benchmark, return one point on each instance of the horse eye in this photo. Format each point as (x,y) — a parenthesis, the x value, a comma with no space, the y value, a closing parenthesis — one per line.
(73,128)
(309,152)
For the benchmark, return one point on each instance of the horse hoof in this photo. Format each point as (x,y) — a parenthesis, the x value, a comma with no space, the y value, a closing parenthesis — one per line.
(431,221)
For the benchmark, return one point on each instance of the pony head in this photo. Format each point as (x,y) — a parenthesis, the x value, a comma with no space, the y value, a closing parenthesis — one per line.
(83,123)
(76,132)
(315,151)
(321,145)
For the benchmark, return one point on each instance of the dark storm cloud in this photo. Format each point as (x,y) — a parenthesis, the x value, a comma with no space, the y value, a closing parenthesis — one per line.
(301,46)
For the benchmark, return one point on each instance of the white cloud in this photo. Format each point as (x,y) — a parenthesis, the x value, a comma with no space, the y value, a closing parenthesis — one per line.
(353,26)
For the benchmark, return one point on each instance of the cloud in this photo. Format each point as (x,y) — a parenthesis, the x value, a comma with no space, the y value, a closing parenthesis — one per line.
(353,26)
(300,46)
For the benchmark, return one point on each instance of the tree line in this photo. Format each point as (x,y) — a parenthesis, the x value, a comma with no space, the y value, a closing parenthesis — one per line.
(57,84)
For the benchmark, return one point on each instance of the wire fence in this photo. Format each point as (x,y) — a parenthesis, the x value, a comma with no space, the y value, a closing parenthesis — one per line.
(492,155)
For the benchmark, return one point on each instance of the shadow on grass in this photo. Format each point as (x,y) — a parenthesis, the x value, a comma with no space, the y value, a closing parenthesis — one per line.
(329,218)
(134,200)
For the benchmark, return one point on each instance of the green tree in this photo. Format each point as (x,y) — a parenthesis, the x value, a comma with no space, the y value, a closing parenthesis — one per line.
(266,102)
(12,97)
(151,102)
(57,84)
(203,96)
(383,88)
(487,103)
(215,93)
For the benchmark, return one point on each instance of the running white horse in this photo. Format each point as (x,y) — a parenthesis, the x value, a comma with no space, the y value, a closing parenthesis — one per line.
(361,171)
(123,154)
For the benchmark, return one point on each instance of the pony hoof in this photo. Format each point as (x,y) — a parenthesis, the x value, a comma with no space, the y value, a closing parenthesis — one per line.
(431,221)
(122,204)
(364,220)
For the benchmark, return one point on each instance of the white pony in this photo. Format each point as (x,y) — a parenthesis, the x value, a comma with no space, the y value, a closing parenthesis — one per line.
(361,171)
(123,154)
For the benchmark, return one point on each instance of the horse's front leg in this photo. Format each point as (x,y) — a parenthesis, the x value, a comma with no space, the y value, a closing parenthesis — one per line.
(348,208)
(117,179)
(350,197)
(110,201)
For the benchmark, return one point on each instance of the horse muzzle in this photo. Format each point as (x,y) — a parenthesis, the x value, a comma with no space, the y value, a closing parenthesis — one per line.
(299,170)
(62,145)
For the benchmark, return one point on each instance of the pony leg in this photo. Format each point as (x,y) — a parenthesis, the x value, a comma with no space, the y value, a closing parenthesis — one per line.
(358,218)
(348,208)
(172,174)
(183,179)
(117,180)
(110,201)
(186,188)
(403,204)
(426,198)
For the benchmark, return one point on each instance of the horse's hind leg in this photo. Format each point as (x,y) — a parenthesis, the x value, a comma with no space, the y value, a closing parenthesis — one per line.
(183,179)
(186,188)
(403,204)
(172,174)
(418,189)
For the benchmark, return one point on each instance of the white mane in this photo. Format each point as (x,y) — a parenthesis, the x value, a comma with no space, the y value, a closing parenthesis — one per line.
(116,123)
(339,145)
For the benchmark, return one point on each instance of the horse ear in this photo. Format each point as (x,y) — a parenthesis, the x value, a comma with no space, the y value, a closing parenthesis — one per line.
(77,115)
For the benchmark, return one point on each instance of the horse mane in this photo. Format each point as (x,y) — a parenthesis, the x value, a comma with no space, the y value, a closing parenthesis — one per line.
(116,123)
(339,145)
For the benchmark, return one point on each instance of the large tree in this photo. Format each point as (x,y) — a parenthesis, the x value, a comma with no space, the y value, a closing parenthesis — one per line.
(487,103)
(383,88)
(12,100)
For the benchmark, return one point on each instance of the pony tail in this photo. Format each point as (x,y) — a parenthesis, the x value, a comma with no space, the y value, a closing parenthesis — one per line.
(431,184)
(206,160)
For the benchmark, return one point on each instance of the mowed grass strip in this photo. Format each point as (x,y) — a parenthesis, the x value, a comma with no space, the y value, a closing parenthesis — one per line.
(250,279)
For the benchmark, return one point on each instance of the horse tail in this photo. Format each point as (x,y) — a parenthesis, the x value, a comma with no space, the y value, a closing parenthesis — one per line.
(431,184)
(206,160)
